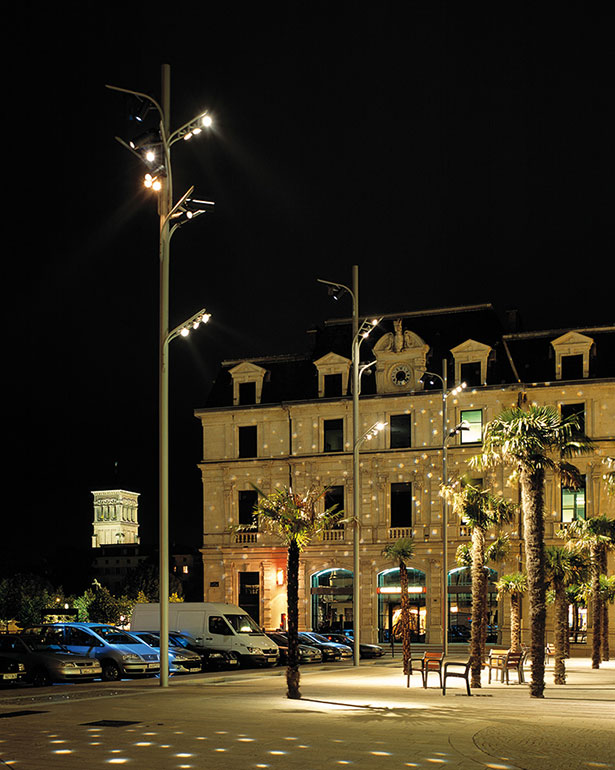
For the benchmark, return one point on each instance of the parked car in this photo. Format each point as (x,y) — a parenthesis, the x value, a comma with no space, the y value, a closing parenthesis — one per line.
(181,660)
(330,650)
(119,654)
(11,671)
(46,660)
(307,653)
(365,650)
(212,659)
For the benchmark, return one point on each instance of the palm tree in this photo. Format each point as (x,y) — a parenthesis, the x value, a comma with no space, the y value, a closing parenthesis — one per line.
(400,552)
(533,442)
(513,585)
(296,520)
(563,567)
(595,536)
(480,510)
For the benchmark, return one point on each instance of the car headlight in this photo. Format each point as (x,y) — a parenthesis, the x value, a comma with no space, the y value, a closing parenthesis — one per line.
(131,658)
(68,664)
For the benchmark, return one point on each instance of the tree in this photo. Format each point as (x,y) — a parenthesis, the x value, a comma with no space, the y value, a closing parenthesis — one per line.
(480,510)
(296,519)
(24,598)
(595,536)
(534,441)
(563,567)
(400,552)
(513,585)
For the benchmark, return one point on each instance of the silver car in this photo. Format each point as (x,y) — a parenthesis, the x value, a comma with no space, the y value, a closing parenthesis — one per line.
(181,660)
(46,660)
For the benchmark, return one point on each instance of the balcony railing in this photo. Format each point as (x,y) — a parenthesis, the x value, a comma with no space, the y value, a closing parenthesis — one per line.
(330,535)
(395,533)
(246,537)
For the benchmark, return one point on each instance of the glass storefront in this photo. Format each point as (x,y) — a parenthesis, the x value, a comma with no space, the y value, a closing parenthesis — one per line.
(389,605)
(331,592)
(460,606)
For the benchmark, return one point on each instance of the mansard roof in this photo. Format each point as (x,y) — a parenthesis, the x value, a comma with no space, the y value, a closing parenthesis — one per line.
(523,357)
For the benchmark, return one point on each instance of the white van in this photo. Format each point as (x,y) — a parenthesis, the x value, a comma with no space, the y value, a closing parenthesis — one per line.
(213,624)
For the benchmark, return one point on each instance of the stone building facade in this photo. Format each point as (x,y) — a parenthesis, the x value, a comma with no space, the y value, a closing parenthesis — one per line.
(287,420)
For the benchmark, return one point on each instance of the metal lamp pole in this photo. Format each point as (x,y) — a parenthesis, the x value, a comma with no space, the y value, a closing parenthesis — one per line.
(357,440)
(161,181)
(445,439)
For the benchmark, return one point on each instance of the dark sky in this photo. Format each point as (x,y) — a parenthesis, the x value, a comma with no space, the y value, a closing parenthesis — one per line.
(457,152)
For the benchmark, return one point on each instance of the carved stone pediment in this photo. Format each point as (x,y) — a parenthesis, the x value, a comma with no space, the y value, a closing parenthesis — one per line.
(400,360)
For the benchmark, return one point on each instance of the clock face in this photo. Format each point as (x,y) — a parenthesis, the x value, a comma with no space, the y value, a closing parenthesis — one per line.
(401,375)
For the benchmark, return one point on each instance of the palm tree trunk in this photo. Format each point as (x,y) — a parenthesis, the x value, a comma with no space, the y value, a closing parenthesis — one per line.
(596,606)
(532,501)
(405,619)
(561,629)
(515,622)
(292,669)
(604,627)
(478,579)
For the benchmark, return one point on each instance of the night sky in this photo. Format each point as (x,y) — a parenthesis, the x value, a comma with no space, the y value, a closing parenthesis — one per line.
(457,152)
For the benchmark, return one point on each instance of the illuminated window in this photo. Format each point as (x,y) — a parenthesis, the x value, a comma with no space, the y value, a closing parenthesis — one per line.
(473,419)
(573,503)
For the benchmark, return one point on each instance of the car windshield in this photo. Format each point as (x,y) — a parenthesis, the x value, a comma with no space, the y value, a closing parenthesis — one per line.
(114,635)
(178,641)
(37,644)
(150,639)
(243,624)
(318,637)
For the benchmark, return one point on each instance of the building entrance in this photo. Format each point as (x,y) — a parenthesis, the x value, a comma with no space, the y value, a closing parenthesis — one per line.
(389,605)
(249,594)
(331,592)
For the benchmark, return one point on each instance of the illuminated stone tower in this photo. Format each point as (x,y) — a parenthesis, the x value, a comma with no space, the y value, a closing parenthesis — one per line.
(116,518)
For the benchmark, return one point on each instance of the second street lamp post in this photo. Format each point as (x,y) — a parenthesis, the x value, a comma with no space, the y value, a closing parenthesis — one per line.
(445,439)
(358,335)
(154,149)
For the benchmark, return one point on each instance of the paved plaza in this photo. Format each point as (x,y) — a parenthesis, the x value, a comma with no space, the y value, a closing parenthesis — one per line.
(348,717)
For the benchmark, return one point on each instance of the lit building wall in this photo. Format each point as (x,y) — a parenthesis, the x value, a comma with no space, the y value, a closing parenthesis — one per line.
(290,439)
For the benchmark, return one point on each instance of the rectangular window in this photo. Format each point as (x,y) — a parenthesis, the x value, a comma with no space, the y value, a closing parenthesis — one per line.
(470,374)
(247,393)
(333,385)
(401,504)
(568,410)
(335,496)
(400,430)
(247,441)
(573,503)
(246,500)
(472,431)
(333,431)
(572,367)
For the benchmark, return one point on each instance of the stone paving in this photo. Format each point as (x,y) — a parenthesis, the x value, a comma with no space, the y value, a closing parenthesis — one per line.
(348,717)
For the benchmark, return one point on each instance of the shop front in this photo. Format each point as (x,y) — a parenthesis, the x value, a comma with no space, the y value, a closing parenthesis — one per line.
(331,598)
(389,605)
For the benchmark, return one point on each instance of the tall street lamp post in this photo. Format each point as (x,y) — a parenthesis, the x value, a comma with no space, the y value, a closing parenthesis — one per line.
(154,149)
(358,335)
(446,436)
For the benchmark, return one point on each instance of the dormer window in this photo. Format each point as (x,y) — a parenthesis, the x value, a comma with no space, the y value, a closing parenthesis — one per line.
(333,372)
(471,358)
(572,356)
(247,383)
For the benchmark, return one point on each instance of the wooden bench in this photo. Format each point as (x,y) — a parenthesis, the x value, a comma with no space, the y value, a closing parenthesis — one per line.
(505,661)
(457,669)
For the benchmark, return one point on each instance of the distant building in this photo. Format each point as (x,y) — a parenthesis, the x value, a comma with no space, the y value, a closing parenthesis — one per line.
(272,421)
(115,538)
